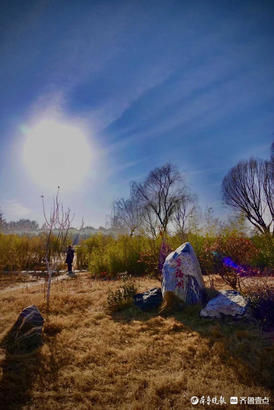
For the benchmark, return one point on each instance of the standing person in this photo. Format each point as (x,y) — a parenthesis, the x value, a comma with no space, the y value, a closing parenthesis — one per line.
(69,258)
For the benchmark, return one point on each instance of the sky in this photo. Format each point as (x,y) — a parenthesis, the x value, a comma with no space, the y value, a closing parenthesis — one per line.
(99,93)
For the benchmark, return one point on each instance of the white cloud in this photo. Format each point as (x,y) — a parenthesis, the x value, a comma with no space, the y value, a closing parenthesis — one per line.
(14,210)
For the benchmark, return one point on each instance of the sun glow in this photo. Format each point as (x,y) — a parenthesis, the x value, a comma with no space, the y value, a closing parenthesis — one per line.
(57,153)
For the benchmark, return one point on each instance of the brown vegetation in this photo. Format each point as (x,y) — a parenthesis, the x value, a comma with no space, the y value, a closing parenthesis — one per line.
(13,279)
(129,360)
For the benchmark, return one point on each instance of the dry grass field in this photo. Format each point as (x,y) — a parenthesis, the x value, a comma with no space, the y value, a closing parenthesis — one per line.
(91,359)
(12,279)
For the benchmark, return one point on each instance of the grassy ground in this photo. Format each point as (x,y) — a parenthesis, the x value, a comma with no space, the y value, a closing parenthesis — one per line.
(128,360)
(12,279)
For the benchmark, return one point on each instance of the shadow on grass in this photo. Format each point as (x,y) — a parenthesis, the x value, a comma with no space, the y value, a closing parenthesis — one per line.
(19,371)
(238,343)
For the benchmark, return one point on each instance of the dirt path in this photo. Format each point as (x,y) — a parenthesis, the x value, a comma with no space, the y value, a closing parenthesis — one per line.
(29,284)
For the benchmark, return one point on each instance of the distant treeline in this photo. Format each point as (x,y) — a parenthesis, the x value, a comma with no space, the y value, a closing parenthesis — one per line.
(23,225)
(32,228)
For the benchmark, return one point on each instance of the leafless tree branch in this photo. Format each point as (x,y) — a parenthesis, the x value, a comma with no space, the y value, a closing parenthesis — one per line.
(160,195)
(248,187)
(58,221)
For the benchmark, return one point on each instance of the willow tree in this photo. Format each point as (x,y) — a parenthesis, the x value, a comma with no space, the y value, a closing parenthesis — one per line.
(185,210)
(127,214)
(160,195)
(248,188)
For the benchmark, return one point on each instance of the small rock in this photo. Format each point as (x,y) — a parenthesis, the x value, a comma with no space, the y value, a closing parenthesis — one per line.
(26,333)
(228,303)
(148,300)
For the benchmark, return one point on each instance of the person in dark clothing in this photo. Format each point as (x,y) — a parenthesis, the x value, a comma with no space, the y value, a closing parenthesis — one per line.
(69,258)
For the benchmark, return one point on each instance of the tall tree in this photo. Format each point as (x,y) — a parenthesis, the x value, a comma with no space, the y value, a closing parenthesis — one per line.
(248,187)
(184,210)
(150,222)
(268,183)
(159,195)
(127,213)
(2,222)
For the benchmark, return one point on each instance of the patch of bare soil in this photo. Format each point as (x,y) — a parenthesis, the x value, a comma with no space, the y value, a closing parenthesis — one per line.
(13,281)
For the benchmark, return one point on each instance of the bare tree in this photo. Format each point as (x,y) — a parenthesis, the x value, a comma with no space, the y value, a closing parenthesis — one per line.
(159,195)
(248,187)
(126,214)
(183,212)
(57,224)
(212,225)
(268,182)
(2,222)
(149,222)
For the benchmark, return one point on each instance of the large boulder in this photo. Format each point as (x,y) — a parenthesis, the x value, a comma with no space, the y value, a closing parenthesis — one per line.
(182,275)
(26,334)
(227,303)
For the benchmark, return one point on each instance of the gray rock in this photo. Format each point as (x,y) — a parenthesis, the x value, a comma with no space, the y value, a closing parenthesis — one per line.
(26,334)
(182,275)
(148,300)
(227,303)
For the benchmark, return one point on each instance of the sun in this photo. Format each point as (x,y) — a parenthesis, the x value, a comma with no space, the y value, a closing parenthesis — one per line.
(57,153)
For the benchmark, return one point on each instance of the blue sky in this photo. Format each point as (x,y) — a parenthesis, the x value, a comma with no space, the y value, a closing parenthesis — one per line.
(148,81)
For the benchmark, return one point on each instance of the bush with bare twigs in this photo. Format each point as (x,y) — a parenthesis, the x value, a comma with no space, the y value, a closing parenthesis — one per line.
(122,297)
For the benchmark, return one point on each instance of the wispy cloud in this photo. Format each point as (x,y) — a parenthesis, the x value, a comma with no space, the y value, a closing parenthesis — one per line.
(126,165)
(203,171)
(14,210)
(203,104)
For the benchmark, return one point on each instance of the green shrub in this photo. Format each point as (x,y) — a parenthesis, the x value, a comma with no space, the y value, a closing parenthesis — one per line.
(89,247)
(105,256)
(264,258)
(20,252)
(26,252)
(203,246)
(120,255)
